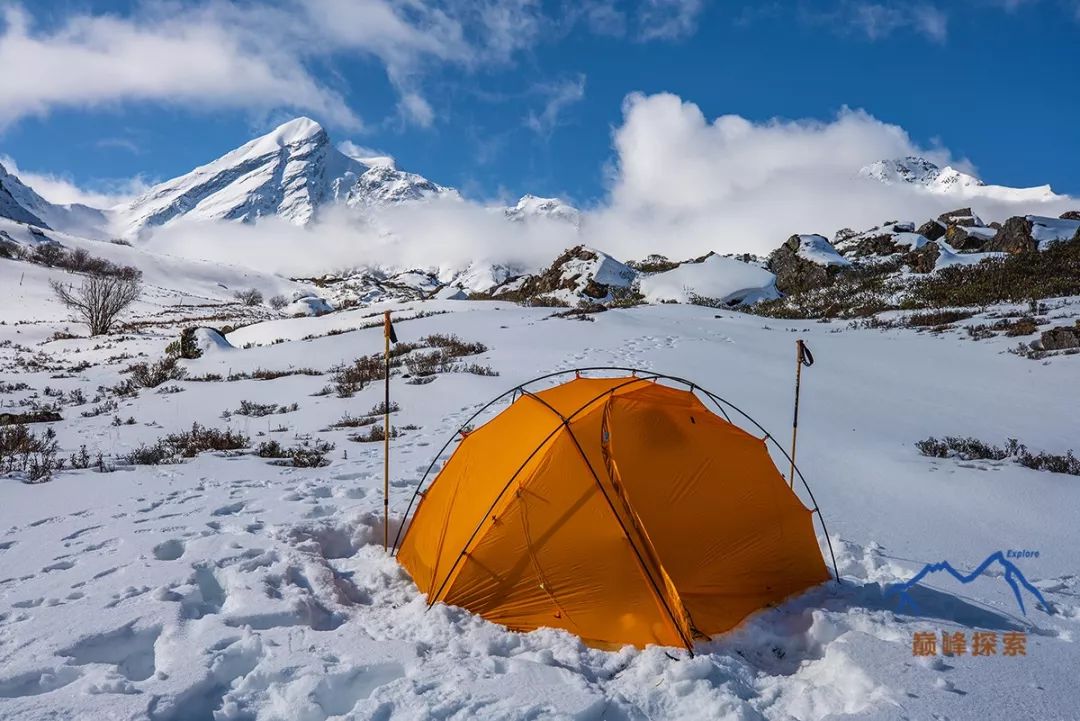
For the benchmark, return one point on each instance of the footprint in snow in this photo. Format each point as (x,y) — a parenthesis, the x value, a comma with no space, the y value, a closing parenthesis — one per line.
(169,550)
(229,510)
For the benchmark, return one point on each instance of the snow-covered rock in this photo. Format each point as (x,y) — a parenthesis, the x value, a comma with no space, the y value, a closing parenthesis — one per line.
(818,250)
(310,305)
(209,340)
(579,274)
(1047,231)
(716,279)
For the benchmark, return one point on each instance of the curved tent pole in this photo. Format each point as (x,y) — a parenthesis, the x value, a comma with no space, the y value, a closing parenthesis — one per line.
(565,423)
(651,375)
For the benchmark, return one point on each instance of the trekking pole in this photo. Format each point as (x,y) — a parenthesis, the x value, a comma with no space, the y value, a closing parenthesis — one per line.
(389,336)
(386,431)
(803,357)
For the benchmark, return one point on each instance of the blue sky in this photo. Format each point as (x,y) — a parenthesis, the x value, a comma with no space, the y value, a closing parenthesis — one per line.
(499,99)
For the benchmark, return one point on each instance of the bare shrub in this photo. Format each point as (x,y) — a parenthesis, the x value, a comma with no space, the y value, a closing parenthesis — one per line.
(258,410)
(22,451)
(153,375)
(374,433)
(969,449)
(277,302)
(100,300)
(175,447)
(250,296)
(304,455)
(348,379)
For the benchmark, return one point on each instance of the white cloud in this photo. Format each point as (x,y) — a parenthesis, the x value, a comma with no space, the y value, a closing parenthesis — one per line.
(681,184)
(441,234)
(415,109)
(879,20)
(560,95)
(669,19)
(62,189)
(686,185)
(257,55)
(364,154)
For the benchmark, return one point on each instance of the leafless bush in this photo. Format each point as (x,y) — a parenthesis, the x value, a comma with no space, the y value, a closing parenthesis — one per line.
(36,456)
(374,433)
(100,300)
(277,302)
(303,455)
(258,410)
(154,374)
(250,296)
(175,447)
(973,449)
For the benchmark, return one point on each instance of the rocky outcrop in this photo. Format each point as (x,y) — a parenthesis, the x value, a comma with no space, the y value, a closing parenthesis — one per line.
(1013,237)
(578,275)
(962,238)
(932,230)
(1061,338)
(924,259)
(794,273)
(195,341)
(960,216)
(1070,215)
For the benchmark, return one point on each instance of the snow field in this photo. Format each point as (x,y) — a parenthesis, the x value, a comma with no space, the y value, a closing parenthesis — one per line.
(229,588)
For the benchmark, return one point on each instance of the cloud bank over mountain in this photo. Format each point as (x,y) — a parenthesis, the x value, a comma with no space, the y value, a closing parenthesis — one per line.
(679,184)
(688,184)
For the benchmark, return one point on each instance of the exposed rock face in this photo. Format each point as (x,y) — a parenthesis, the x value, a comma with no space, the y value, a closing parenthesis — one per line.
(1014,237)
(794,273)
(579,274)
(962,239)
(960,216)
(924,259)
(931,230)
(1070,215)
(1061,338)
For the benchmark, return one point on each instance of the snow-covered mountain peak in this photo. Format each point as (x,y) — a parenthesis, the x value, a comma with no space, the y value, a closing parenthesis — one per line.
(532,206)
(924,176)
(296,130)
(919,171)
(290,172)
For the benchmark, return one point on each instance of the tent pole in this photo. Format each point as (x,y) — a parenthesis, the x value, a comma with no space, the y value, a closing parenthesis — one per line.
(795,419)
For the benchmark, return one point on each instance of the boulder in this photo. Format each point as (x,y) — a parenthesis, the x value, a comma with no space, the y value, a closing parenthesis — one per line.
(1070,215)
(795,273)
(924,259)
(960,216)
(962,239)
(931,230)
(1061,338)
(197,340)
(1014,237)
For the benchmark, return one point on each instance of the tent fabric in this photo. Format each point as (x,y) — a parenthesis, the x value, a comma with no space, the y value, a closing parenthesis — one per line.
(619,509)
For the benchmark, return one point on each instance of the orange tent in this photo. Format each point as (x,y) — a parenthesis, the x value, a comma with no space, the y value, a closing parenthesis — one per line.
(620,509)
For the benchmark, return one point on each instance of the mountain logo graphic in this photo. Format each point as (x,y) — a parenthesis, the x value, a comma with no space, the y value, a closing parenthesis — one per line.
(1013,576)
